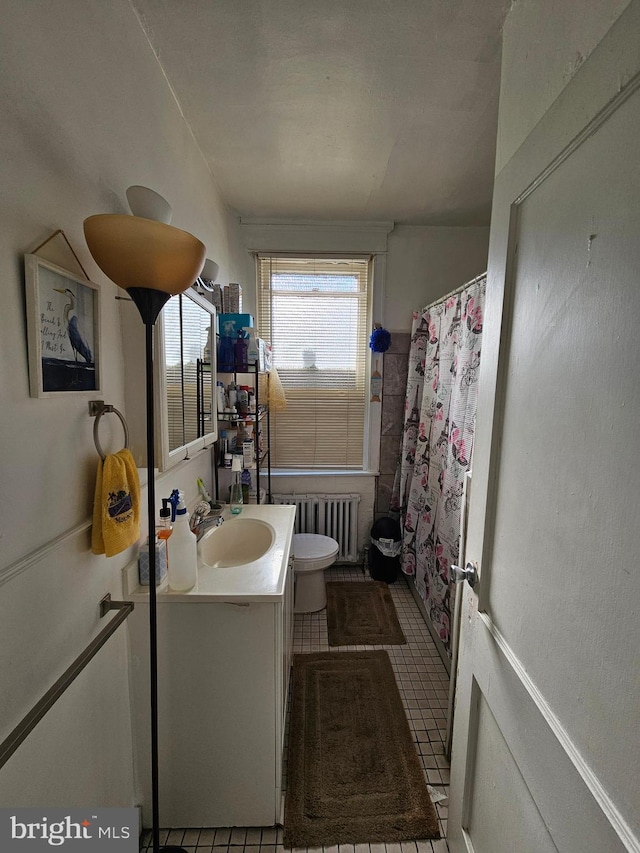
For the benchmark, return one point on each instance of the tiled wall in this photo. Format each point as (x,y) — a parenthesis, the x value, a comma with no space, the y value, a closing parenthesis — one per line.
(393,392)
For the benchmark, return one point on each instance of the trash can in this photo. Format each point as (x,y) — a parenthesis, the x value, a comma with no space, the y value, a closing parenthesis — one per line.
(384,554)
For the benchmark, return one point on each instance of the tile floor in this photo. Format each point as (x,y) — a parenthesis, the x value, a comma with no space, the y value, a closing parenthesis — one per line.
(423,682)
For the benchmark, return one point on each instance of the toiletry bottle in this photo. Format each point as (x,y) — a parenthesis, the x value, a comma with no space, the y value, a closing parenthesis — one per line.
(232,394)
(245,481)
(224,447)
(240,348)
(243,401)
(183,549)
(235,498)
(165,528)
(204,491)
(226,355)
(252,346)
(222,398)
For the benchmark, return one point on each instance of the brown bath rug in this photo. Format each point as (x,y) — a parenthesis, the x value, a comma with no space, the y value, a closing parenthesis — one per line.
(362,614)
(353,772)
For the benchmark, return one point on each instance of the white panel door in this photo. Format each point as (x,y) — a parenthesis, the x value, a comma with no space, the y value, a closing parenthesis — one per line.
(546,745)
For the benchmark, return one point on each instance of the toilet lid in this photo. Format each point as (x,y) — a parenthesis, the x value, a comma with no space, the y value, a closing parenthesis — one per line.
(313,546)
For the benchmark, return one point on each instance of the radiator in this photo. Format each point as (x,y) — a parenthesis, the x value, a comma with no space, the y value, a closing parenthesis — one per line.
(331,515)
(306,511)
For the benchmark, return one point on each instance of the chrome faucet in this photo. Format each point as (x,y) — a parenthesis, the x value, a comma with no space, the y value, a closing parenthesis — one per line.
(201,521)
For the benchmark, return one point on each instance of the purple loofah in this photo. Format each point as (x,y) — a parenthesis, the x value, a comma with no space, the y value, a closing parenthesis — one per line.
(380,340)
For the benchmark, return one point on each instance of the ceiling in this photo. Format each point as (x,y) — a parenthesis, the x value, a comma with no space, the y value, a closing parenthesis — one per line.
(339,109)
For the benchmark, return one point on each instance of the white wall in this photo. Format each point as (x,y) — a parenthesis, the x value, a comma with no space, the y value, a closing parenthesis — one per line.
(85,111)
(544,44)
(425,262)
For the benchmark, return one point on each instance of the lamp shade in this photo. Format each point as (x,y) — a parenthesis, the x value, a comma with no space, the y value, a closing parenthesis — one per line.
(148,204)
(210,270)
(142,253)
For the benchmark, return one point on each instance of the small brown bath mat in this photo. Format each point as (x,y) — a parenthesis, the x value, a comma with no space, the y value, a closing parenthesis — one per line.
(362,613)
(353,773)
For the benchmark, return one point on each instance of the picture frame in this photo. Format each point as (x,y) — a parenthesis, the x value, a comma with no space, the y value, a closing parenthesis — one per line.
(63,330)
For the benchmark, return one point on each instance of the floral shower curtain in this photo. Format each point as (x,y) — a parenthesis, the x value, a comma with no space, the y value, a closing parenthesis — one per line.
(437,443)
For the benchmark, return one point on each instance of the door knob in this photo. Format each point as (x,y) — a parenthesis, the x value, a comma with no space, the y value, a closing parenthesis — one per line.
(457,574)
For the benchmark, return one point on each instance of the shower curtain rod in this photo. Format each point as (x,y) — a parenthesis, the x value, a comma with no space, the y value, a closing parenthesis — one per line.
(453,292)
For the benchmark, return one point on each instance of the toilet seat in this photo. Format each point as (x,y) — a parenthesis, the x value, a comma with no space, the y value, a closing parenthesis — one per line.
(312,551)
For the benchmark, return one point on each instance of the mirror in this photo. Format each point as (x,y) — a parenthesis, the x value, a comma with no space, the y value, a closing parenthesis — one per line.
(185,376)
(188,375)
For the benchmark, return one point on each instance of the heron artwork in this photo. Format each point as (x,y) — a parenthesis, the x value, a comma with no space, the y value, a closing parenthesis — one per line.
(78,343)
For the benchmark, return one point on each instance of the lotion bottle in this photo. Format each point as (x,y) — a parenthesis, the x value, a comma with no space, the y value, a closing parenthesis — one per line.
(183,548)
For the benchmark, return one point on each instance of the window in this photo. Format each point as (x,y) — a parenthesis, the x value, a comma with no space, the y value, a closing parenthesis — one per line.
(315,312)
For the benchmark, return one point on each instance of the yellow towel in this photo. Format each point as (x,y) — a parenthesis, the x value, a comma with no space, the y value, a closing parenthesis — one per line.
(116,506)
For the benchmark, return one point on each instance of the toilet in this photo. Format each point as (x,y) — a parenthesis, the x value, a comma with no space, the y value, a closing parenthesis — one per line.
(312,554)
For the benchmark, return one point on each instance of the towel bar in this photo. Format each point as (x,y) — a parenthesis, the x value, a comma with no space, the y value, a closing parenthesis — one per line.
(28,723)
(97,409)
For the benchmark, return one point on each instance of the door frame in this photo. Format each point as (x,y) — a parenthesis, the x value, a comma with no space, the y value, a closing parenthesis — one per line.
(588,101)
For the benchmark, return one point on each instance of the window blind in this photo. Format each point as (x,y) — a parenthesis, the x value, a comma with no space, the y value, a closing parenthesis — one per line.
(315,313)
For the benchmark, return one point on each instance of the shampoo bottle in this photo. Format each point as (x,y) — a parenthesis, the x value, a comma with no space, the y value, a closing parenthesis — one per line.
(240,349)
(183,548)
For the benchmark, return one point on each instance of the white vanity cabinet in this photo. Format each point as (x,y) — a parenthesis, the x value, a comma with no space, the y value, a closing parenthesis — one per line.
(223,675)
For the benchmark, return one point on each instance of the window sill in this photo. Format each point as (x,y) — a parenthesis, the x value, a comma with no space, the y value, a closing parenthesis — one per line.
(324,472)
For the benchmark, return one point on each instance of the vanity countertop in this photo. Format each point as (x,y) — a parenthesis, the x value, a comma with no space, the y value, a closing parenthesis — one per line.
(262,580)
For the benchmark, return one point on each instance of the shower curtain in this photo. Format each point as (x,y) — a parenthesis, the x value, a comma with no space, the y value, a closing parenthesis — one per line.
(437,443)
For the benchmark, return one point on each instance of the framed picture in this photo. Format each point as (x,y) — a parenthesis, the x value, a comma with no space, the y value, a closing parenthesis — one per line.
(63,330)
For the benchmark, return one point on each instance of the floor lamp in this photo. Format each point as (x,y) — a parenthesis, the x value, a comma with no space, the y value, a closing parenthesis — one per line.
(152,261)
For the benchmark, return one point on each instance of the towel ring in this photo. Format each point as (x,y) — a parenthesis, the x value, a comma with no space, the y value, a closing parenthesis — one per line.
(97,409)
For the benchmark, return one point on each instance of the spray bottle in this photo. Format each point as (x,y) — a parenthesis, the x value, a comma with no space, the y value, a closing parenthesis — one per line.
(252,346)
(183,548)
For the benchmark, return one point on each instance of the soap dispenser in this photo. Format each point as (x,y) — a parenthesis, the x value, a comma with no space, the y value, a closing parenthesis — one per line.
(183,547)
(165,527)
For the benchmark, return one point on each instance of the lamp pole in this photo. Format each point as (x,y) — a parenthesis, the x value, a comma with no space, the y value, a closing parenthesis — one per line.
(149,303)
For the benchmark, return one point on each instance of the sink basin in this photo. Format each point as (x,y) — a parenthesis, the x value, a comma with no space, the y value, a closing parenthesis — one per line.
(236,542)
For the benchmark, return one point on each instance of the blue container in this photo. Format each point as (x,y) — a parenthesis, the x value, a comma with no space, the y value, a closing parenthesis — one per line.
(230,324)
